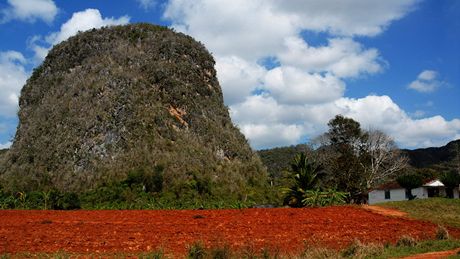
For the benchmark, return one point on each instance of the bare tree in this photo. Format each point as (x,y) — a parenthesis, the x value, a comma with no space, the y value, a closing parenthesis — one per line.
(382,159)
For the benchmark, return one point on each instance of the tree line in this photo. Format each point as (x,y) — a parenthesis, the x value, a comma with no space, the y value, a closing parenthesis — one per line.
(343,164)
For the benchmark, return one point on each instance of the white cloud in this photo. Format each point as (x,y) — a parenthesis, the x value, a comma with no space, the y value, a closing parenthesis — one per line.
(147,4)
(258,114)
(248,29)
(281,105)
(254,29)
(353,17)
(238,77)
(12,78)
(261,135)
(427,75)
(82,21)
(29,10)
(382,113)
(5,145)
(426,82)
(343,57)
(259,109)
(292,85)
(372,111)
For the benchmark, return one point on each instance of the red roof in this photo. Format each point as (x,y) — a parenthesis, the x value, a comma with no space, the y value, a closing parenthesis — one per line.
(395,185)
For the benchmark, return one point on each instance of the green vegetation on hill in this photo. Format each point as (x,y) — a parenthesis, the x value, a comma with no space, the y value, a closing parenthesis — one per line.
(2,155)
(438,210)
(112,102)
(444,158)
(279,159)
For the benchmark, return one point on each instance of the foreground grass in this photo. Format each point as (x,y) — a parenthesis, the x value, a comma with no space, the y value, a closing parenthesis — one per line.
(198,251)
(438,210)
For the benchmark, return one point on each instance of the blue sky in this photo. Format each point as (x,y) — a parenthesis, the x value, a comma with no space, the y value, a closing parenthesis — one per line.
(286,67)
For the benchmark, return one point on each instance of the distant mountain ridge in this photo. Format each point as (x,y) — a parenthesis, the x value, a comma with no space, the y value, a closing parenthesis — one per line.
(427,157)
(445,157)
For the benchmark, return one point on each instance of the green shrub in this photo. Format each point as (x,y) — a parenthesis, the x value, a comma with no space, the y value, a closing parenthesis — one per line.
(442,233)
(221,253)
(64,201)
(197,251)
(406,241)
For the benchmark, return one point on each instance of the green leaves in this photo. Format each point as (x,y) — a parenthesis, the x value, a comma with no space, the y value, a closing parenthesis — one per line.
(306,189)
(318,198)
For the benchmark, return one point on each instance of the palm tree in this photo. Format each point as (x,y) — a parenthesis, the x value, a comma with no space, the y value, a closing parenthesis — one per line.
(306,177)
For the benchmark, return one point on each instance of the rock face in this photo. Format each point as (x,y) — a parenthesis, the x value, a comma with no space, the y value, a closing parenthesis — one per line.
(124,98)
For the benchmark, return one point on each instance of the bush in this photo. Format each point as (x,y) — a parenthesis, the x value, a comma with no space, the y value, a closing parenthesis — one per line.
(197,251)
(406,241)
(64,201)
(221,253)
(358,250)
(442,233)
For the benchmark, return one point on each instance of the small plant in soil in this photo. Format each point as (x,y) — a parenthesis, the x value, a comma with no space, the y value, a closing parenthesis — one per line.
(406,241)
(442,233)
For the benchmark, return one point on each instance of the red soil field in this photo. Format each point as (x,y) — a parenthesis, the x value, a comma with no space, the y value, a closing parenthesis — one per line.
(283,229)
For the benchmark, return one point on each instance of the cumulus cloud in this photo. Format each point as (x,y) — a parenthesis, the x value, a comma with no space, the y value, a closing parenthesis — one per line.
(238,77)
(310,121)
(295,99)
(343,57)
(12,78)
(29,10)
(5,145)
(381,112)
(292,85)
(261,135)
(426,82)
(258,28)
(82,21)
(348,18)
(248,29)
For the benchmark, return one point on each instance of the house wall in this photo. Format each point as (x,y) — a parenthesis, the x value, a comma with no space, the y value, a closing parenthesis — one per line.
(420,193)
(377,196)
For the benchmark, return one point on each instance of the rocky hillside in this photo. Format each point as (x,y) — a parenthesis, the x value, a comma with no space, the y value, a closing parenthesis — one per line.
(136,97)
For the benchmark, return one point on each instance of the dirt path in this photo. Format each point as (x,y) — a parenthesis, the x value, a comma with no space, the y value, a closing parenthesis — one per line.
(385,211)
(283,229)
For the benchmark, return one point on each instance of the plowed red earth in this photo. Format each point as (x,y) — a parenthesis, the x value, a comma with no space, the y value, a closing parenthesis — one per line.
(172,231)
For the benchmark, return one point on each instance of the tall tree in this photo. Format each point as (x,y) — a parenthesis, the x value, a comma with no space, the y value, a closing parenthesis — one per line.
(345,146)
(381,159)
(356,159)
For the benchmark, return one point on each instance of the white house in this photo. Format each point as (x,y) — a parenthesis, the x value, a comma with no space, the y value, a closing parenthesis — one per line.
(392,191)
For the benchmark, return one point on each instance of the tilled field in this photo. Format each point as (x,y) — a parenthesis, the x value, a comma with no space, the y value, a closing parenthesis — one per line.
(286,230)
